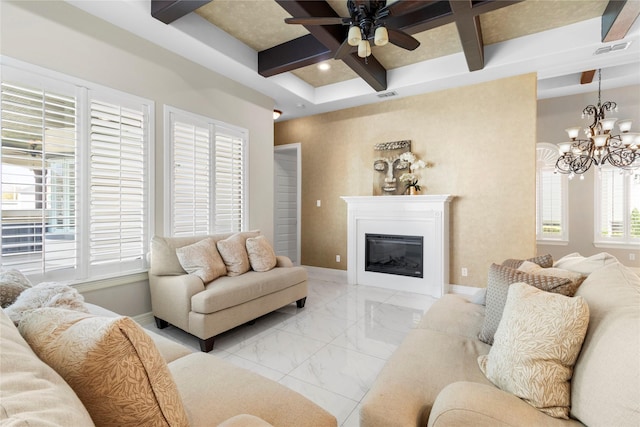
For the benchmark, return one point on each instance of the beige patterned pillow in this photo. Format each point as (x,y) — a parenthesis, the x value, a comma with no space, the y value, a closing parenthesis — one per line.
(12,283)
(261,255)
(202,259)
(111,364)
(568,290)
(499,280)
(544,261)
(234,253)
(536,346)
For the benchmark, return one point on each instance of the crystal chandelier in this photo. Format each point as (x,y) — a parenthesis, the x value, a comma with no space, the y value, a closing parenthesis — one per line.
(600,145)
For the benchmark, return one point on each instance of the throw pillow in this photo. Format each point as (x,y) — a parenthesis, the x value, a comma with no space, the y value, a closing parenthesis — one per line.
(202,259)
(111,364)
(261,255)
(568,290)
(536,346)
(544,261)
(12,283)
(585,265)
(233,251)
(499,280)
(46,294)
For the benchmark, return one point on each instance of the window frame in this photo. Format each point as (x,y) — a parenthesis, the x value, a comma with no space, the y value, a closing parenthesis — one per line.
(626,241)
(546,156)
(30,75)
(172,114)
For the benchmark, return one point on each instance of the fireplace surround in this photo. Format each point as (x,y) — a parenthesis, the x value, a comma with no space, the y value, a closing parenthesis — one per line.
(422,216)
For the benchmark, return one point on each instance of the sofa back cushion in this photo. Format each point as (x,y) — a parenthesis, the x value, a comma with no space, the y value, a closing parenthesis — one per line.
(605,387)
(32,393)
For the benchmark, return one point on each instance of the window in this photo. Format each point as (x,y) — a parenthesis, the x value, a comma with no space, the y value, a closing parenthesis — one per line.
(617,208)
(551,197)
(75,177)
(207,163)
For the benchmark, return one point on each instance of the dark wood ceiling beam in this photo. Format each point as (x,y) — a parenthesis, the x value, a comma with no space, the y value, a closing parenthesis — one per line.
(168,11)
(331,36)
(618,18)
(297,53)
(587,77)
(470,32)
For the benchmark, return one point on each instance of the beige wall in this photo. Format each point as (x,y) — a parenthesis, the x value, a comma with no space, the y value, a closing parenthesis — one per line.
(557,114)
(481,140)
(63,38)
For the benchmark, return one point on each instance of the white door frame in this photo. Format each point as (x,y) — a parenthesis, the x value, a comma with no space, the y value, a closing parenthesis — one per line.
(297,148)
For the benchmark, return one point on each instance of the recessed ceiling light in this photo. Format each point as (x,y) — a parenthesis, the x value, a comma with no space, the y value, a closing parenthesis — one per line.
(324,66)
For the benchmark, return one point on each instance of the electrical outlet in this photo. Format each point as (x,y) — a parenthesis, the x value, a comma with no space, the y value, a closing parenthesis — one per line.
(632,257)
(337,258)
(465,273)
(318,203)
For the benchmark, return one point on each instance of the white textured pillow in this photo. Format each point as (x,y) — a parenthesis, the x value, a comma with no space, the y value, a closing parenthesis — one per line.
(535,347)
(12,283)
(234,254)
(202,259)
(585,265)
(261,255)
(46,294)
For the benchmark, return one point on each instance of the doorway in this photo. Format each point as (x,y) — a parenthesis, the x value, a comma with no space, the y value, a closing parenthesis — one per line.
(287,192)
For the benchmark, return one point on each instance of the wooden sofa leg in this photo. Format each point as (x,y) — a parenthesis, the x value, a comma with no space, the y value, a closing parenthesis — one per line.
(300,303)
(206,345)
(161,324)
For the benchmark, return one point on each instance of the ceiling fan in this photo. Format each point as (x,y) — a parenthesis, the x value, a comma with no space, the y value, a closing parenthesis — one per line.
(366,22)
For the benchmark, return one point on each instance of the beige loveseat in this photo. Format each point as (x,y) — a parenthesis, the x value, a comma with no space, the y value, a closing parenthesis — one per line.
(211,391)
(434,379)
(208,309)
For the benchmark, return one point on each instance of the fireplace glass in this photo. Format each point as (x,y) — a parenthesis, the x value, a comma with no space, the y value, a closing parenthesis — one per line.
(394,254)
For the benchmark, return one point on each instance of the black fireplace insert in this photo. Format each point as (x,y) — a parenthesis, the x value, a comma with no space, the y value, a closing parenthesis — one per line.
(394,254)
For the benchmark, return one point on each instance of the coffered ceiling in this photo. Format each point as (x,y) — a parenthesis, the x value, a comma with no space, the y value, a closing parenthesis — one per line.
(461,42)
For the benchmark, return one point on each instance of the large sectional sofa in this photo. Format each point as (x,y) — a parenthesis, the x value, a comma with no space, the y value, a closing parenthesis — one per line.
(206,308)
(98,385)
(434,378)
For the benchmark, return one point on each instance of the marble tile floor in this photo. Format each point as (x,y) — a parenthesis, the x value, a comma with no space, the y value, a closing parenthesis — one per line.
(329,351)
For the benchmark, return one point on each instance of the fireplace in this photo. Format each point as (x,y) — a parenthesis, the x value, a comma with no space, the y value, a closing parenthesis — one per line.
(394,254)
(419,265)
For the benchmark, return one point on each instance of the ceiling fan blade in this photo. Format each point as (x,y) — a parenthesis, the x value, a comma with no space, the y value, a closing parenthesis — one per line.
(402,39)
(317,21)
(402,7)
(343,51)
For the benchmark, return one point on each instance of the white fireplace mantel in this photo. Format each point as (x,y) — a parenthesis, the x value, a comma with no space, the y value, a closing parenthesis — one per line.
(420,215)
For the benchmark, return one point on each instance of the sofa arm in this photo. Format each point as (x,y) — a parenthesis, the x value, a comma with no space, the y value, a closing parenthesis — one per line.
(171,297)
(283,261)
(469,403)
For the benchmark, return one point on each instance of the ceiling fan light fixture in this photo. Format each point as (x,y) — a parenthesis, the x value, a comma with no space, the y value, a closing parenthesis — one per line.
(355,37)
(381,36)
(364,48)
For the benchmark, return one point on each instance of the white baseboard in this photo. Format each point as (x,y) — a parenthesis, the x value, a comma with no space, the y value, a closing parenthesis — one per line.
(463,290)
(327,274)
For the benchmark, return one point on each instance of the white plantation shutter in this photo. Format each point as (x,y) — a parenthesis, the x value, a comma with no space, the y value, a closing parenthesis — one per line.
(551,196)
(617,207)
(208,174)
(38,179)
(118,185)
(230,179)
(191,179)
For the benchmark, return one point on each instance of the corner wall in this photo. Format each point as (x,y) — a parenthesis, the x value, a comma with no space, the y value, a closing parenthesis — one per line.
(481,140)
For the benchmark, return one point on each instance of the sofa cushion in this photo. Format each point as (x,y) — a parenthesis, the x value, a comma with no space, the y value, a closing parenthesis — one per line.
(31,392)
(585,265)
(606,379)
(12,283)
(544,261)
(231,291)
(46,294)
(499,280)
(202,259)
(215,390)
(535,347)
(575,277)
(110,363)
(261,255)
(233,251)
